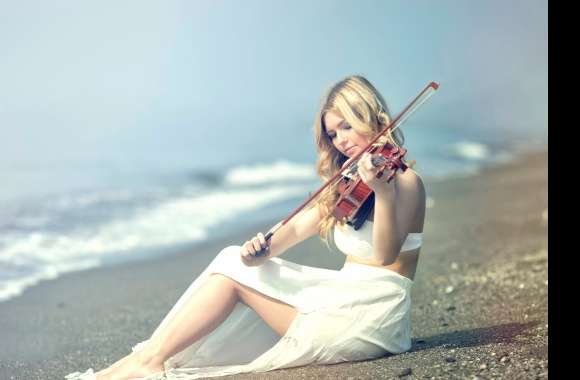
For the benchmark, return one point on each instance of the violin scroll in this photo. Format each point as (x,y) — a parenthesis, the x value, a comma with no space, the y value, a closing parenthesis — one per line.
(353,193)
(391,160)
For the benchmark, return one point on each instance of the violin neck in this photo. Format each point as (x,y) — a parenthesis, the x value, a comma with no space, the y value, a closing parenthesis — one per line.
(378,160)
(375,160)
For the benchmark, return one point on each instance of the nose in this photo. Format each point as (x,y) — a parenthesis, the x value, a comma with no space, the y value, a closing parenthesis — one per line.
(340,139)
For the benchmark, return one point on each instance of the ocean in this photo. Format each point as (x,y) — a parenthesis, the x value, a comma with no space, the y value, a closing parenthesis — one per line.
(123,137)
(62,217)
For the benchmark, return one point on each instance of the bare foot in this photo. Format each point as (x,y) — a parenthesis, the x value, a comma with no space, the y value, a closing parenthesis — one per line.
(130,367)
(104,373)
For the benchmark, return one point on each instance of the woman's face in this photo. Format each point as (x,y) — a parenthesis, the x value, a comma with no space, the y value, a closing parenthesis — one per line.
(348,141)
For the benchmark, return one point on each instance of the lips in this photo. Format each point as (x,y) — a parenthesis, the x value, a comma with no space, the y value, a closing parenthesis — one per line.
(350,150)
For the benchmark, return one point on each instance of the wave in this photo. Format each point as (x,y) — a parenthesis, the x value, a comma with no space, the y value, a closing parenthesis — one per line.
(26,258)
(279,171)
(12,287)
(470,150)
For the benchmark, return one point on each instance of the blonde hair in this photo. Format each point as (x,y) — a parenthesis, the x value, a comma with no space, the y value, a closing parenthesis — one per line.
(359,103)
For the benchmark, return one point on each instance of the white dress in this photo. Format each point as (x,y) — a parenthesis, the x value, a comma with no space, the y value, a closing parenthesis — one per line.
(356,313)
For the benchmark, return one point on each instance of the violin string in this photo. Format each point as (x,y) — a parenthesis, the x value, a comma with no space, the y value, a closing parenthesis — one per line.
(375,160)
(352,170)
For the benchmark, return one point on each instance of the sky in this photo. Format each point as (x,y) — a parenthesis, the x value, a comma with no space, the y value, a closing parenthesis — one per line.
(87,81)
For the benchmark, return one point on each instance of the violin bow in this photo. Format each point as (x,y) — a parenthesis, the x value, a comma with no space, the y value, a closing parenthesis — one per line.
(394,124)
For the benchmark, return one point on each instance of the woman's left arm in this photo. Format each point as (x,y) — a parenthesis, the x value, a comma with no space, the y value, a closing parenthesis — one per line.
(389,230)
(393,214)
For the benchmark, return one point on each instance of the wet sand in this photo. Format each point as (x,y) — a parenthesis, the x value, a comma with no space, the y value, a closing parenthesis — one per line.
(480,297)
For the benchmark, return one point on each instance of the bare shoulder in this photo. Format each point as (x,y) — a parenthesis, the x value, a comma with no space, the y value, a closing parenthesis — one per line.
(411,184)
(411,195)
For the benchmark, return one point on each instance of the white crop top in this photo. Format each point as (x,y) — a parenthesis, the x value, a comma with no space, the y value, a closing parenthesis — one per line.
(360,242)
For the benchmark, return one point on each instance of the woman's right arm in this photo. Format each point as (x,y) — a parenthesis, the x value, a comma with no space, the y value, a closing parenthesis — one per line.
(299,228)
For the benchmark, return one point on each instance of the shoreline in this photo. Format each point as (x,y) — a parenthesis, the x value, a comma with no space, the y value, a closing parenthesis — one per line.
(472,305)
(146,254)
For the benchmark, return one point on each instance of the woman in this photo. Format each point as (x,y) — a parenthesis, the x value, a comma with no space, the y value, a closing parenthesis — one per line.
(249,312)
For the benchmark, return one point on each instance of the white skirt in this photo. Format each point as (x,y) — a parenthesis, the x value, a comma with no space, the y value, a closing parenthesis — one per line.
(356,313)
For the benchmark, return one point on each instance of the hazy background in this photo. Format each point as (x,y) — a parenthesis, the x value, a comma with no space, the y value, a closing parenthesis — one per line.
(144,83)
(119,119)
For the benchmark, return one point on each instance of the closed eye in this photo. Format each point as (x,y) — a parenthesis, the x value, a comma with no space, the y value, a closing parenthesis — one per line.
(343,126)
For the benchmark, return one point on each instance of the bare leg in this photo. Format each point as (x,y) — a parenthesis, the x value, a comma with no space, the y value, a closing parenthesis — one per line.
(207,309)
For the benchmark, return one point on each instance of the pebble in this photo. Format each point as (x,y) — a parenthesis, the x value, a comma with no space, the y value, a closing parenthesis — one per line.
(521,286)
(405,372)
(450,359)
(435,302)
(483,366)
(451,308)
(449,289)
(454,266)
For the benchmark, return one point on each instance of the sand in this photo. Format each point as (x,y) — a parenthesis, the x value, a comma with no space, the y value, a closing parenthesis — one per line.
(480,297)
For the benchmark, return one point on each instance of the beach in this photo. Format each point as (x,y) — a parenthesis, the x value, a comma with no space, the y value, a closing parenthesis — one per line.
(480,295)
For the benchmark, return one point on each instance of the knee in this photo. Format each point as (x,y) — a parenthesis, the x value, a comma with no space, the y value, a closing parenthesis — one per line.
(230,251)
(224,280)
(229,254)
(227,257)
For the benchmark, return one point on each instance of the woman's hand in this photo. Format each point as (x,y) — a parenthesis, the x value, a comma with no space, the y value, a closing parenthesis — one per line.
(251,247)
(368,173)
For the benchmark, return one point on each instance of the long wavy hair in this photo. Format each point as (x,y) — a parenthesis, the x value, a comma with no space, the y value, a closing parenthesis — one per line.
(359,103)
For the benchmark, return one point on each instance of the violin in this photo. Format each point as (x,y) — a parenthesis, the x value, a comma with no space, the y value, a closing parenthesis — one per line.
(355,193)
(355,202)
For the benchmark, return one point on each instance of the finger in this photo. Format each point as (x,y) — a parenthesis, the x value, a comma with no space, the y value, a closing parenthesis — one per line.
(249,248)
(256,244)
(367,168)
(366,157)
(263,242)
(387,175)
(361,162)
(244,253)
(363,174)
(369,163)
